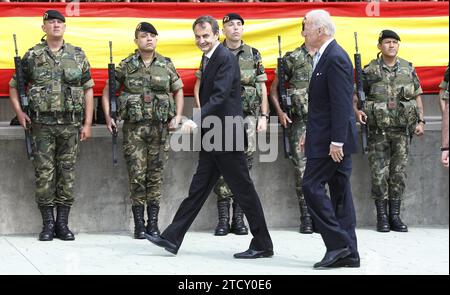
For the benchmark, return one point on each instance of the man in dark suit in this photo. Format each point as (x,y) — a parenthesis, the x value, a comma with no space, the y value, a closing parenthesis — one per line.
(220,100)
(328,143)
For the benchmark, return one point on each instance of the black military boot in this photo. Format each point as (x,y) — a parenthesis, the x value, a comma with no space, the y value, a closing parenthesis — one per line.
(48,219)
(152,222)
(237,224)
(382,217)
(223,227)
(394,216)
(306,225)
(139,224)
(62,219)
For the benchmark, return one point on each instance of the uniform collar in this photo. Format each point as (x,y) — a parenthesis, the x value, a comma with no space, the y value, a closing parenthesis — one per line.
(240,48)
(47,48)
(389,68)
(138,57)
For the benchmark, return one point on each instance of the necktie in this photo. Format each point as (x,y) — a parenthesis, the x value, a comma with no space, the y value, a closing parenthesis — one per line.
(205,60)
(316,60)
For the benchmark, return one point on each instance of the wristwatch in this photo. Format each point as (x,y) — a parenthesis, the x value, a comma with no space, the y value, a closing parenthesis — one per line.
(421,121)
(443,149)
(265,115)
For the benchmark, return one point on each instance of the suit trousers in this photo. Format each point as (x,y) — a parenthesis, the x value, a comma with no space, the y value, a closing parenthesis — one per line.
(233,167)
(334,216)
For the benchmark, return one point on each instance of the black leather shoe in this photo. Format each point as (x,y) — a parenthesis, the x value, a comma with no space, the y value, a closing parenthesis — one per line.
(349,261)
(252,254)
(333,256)
(161,242)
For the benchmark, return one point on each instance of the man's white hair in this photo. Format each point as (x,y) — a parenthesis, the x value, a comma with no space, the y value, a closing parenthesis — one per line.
(321,18)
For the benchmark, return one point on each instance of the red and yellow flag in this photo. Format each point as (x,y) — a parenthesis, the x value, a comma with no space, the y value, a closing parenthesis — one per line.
(422,26)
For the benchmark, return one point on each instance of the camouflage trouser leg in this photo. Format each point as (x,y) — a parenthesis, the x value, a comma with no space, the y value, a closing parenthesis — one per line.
(141,147)
(388,157)
(157,156)
(298,159)
(56,149)
(221,188)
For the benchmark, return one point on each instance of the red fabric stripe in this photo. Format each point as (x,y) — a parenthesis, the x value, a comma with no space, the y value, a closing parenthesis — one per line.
(430,77)
(246,10)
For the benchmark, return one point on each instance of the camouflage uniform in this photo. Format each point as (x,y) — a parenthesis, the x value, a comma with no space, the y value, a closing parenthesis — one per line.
(146,105)
(391,118)
(298,69)
(57,82)
(444,85)
(252,73)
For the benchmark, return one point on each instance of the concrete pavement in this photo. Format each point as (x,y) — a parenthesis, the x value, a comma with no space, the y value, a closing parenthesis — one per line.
(423,251)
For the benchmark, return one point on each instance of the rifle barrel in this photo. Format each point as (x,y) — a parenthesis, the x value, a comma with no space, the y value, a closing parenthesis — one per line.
(356,41)
(110,52)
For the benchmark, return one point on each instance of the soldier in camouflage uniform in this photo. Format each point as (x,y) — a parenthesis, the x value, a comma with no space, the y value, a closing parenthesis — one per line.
(394,113)
(298,70)
(255,106)
(443,94)
(59,88)
(151,101)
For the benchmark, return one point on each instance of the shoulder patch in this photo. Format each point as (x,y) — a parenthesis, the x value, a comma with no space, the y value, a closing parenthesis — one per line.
(128,58)
(287,54)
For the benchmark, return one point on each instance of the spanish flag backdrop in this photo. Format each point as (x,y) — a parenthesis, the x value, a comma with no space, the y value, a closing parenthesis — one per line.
(422,26)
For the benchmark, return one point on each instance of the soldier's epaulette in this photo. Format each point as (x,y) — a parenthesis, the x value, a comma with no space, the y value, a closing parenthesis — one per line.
(168,59)
(288,54)
(28,53)
(78,48)
(127,59)
(37,49)
(254,51)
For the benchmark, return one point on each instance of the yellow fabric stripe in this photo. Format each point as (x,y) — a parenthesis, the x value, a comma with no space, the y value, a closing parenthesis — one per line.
(424,39)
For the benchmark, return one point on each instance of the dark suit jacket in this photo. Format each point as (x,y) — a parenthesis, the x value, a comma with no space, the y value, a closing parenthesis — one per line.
(220,96)
(330,104)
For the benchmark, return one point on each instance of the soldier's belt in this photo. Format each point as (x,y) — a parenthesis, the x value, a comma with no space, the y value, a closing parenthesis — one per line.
(57,115)
(145,122)
(294,91)
(291,91)
(390,129)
